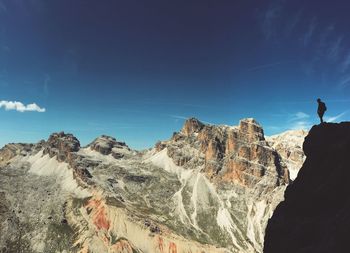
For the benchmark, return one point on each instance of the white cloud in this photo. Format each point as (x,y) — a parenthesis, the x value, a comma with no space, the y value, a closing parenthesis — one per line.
(302,115)
(303,124)
(299,120)
(20,107)
(299,116)
(334,118)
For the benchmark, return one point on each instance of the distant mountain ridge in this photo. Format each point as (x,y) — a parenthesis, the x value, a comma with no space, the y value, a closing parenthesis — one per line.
(207,189)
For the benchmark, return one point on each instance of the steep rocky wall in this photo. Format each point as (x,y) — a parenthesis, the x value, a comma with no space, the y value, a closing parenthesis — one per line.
(315,214)
(289,147)
(229,154)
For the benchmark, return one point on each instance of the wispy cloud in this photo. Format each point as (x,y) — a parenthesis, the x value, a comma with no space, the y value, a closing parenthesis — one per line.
(325,35)
(293,22)
(334,118)
(299,116)
(264,66)
(185,118)
(344,82)
(269,19)
(20,107)
(178,117)
(303,124)
(310,31)
(346,63)
(299,120)
(335,49)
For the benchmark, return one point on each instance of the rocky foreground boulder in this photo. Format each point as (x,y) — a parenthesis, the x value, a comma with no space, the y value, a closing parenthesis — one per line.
(315,216)
(207,189)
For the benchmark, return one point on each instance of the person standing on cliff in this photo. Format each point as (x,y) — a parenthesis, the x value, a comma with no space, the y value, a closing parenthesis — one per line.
(321,109)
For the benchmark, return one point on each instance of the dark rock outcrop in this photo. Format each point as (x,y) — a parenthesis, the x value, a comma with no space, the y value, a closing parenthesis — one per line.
(61,145)
(108,145)
(315,216)
(65,147)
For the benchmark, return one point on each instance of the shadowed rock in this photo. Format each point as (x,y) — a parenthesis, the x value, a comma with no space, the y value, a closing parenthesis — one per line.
(315,214)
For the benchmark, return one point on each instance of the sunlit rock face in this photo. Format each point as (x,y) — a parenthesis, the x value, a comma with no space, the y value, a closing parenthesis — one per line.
(62,146)
(206,189)
(315,214)
(237,155)
(289,147)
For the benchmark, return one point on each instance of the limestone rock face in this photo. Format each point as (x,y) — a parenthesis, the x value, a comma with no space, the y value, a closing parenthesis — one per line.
(192,126)
(235,161)
(230,154)
(315,214)
(108,145)
(61,145)
(289,147)
(251,129)
(12,150)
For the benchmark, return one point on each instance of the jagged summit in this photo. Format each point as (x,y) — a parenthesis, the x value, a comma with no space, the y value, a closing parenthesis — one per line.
(252,128)
(231,154)
(61,145)
(109,145)
(192,125)
(315,214)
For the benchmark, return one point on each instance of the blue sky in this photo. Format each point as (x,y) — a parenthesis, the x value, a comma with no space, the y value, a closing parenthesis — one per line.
(136,69)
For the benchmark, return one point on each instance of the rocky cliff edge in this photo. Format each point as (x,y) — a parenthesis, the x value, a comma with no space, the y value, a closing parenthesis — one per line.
(315,214)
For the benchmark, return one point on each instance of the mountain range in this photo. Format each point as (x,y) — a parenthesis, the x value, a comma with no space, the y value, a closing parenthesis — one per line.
(209,188)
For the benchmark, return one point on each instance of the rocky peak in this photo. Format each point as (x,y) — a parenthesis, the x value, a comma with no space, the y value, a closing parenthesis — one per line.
(252,129)
(230,154)
(61,145)
(315,214)
(11,150)
(192,125)
(108,145)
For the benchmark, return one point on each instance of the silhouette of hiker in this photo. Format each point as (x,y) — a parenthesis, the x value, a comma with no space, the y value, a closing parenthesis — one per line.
(321,109)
